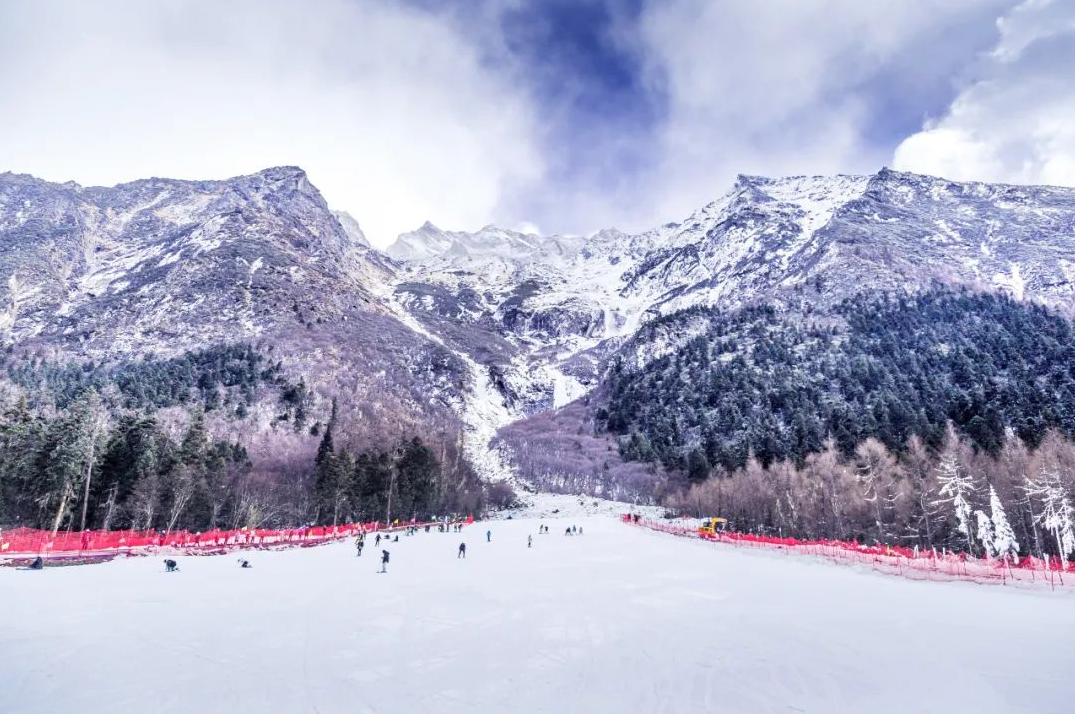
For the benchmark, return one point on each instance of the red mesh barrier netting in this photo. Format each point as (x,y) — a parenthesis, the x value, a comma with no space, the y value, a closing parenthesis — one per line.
(896,560)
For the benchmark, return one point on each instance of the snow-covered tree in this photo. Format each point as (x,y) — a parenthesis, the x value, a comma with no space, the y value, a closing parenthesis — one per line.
(1057,514)
(957,487)
(1004,543)
(985,532)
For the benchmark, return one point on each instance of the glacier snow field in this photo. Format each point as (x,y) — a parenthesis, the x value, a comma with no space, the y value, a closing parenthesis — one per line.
(616,620)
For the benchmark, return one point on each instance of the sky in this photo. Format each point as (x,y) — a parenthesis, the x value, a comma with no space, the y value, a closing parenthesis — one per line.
(554,116)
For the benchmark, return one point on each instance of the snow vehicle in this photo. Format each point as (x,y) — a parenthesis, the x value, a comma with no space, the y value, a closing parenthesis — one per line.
(711,526)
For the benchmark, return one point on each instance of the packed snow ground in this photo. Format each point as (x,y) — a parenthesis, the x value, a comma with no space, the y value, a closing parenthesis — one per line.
(617,620)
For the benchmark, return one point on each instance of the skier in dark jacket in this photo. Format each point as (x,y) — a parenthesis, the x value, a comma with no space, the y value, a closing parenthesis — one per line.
(488,536)
(378,541)
(170,565)
(384,561)
(38,564)
(462,551)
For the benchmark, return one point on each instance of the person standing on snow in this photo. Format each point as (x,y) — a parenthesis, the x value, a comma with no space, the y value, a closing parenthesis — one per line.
(529,541)
(384,561)
(462,551)
(488,536)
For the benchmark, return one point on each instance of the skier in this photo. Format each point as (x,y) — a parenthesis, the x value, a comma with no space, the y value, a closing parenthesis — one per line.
(38,564)
(384,561)
(243,563)
(361,545)
(170,565)
(462,551)
(488,536)
(378,542)
(580,530)
(529,541)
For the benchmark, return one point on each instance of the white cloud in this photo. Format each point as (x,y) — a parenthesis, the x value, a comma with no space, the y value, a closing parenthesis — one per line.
(401,115)
(1014,123)
(391,111)
(786,87)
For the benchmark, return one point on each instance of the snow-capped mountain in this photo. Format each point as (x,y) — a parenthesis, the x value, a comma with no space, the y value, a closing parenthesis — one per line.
(544,311)
(163,264)
(157,267)
(494,325)
(763,237)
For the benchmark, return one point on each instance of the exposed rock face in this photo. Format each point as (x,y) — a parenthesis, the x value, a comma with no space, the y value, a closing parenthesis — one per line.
(161,266)
(460,333)
(548,310)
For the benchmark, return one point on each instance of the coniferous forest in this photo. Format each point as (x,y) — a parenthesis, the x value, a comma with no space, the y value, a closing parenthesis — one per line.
(893,419)
(129,445)
(896,420)
(765,385)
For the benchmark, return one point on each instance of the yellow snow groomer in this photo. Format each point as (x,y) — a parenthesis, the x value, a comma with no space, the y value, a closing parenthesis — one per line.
(711,526)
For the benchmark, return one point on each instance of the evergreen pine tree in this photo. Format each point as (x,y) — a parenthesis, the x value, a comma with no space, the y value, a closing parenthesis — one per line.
(1005,545)
(326,446)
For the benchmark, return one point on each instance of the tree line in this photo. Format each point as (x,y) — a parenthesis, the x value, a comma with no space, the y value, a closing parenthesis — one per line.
(227,378)
(84,467)
(938,420)
(130,445)
(404,483)
(762,384)
(1011,503)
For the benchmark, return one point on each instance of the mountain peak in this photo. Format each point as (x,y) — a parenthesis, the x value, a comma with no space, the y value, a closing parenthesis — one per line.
(424,242)
(352,228)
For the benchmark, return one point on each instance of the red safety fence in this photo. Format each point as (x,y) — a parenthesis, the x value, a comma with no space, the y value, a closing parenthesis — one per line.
(895,560)
(22,542)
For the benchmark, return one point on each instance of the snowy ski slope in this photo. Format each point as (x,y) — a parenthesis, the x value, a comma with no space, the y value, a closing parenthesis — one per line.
(618,620)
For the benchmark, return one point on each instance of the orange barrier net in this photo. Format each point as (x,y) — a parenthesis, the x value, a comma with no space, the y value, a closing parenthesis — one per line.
(895,560)
(22,542)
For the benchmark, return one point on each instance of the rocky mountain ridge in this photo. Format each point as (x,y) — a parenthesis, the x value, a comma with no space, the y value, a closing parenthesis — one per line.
(463,333)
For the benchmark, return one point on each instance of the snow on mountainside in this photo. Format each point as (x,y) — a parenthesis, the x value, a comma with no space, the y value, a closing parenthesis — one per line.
(165,264)
(159,266)
(542,314)
(495,325)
